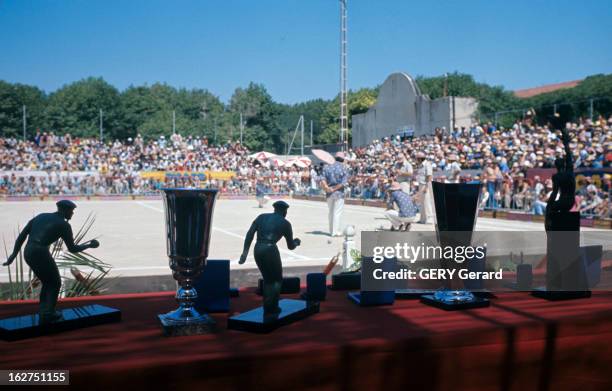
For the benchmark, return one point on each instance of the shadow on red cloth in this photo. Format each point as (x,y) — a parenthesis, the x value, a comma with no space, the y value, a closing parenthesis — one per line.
(519,342)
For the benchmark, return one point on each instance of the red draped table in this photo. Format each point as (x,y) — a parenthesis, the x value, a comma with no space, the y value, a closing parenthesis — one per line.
(519,343)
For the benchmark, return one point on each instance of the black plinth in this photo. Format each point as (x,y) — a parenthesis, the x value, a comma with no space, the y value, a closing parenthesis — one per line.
(409,293)
(289,285)
(234,292)
(372,299)
(213,287)
(476,303)
(346,281)
(27,326)
(565,268)
(291,311)
(542,293)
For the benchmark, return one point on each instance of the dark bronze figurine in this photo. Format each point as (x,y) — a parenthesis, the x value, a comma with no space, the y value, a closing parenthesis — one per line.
(564,182)
(270,228)
(42,231)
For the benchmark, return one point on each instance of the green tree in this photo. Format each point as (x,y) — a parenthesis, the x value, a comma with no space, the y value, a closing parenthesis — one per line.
(204,111)
(312,110)
(358,102)
(75,109)
(12,99)
(260,115)
(573,103)
(490,98)
(137,107)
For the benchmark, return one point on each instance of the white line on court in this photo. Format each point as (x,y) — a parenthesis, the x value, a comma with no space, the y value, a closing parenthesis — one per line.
(487,224)
(291,253)
(323,206)
(250,263)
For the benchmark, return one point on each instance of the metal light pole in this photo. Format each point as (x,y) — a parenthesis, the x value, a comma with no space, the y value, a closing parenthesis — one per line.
(446,84)
(101,127)
(343,76)
(216,122)
(173,121)
(241,128)
(24,122)
(302,150)
(311,144)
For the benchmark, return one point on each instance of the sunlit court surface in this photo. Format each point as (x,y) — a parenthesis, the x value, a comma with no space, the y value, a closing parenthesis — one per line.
(132,232)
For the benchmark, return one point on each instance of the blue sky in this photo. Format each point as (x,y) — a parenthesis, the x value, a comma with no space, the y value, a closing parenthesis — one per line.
(292,46)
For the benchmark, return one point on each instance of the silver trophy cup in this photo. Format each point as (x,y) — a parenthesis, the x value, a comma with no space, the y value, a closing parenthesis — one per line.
(188,225)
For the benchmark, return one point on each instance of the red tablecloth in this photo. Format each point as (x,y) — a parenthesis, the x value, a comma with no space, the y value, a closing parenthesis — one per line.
(518,343)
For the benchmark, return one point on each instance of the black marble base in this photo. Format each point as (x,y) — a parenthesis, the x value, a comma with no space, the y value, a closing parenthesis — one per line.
(476,303)
(542,293)
(289,285)
(27,326)
(346,281)
(372,299)
(206,325)
(410,293)
(291,311)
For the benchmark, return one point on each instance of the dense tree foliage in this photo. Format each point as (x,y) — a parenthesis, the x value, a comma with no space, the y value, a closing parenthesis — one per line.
(148,110)
(573,103)
(490,98)
(12,99)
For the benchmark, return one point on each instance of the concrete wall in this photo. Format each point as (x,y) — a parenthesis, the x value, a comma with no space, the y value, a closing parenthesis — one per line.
(440,114)
(401,105)
(465,109)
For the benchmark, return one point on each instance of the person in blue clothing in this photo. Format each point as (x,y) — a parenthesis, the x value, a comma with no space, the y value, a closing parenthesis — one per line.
(407,213)
(335,180)
(260,193)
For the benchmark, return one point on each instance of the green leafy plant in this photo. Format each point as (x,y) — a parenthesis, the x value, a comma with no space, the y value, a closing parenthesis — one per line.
(23,285)
(356,256)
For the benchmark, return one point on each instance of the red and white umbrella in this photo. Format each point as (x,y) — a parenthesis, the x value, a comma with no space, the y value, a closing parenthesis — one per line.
(277,162)
(263,155)
(296,162)
(304,159)
(299,161)
(324,156)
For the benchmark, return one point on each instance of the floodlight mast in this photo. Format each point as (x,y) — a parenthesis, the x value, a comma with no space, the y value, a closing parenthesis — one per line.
(343,77)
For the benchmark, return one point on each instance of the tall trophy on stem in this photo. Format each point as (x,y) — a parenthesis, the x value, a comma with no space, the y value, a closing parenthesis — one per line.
(456,211)
(188,224)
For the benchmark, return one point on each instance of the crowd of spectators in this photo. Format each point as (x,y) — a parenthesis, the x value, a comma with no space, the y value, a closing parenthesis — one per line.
(50,164)
(499,157)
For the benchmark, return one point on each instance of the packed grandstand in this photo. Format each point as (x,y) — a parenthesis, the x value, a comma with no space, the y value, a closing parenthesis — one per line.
(514,164)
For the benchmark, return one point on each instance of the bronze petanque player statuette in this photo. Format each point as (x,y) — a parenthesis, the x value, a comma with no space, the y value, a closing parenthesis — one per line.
(275,312)
(42,231)
(562,197)
(270,228)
